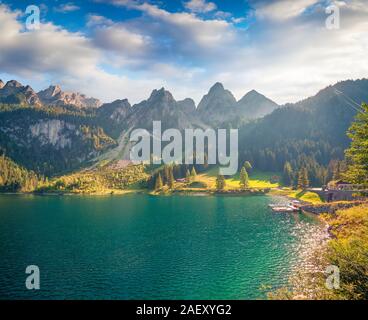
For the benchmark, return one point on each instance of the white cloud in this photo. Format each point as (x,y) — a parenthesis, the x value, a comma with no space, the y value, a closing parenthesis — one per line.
(66,7)
(293,60)
(59,56)
(189,30)
(200,6)
(285,60)
(282,9)
(98,20)
(121,40)
(48,49)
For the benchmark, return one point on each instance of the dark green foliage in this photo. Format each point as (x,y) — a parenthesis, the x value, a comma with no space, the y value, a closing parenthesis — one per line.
(357,154)
(288,175)
(102,179)
(303,180)
(14,178)
(312,131)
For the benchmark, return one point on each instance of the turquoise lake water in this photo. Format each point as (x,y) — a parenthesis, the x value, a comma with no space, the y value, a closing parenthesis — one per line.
(145,247)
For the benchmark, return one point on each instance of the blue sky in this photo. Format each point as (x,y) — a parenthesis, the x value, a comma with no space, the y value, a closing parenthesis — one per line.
(126,48)
(78,10)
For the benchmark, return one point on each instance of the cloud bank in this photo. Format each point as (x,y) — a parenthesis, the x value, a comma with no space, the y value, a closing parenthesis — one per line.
(283,50)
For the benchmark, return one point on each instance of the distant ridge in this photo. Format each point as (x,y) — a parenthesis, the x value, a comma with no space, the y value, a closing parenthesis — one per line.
(53,95)
(216,107)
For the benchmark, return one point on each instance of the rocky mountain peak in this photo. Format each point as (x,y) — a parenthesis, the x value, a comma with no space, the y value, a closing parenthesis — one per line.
(54,95)
(51,91)
(216,105)
(116,111)
(217,87)
(218,91)
(161,95)
(1,84)
(13,84)
(124,103)
(255,105)
(15,93)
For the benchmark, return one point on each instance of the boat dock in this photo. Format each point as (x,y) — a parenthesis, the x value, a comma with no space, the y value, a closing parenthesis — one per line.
(292,207)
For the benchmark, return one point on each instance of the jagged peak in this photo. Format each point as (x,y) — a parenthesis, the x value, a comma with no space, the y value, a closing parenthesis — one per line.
(54,95)
(157,91)
(218,90)
(55,87)
(119,103)
(1,84)
(218,86)
(160,94)
(13,83)
(29,88)
(50,92)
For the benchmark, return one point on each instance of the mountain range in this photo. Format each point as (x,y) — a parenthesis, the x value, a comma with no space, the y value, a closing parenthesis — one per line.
(217,107)
(14,92)
(53,131)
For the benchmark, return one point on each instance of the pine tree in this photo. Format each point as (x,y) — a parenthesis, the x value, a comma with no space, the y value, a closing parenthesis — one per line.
(244,179)
(300,179)
(220,182)
(288,174)
(303,180)
(158,183)
(171,179)
(357,154)
(336,172)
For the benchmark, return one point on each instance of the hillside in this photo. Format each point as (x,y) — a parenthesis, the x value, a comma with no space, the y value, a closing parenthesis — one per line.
(50,141)
(105,179)
(69,133)
(313,130)
(14,178)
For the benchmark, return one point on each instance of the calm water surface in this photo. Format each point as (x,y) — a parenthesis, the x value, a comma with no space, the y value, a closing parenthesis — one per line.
(143,247)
